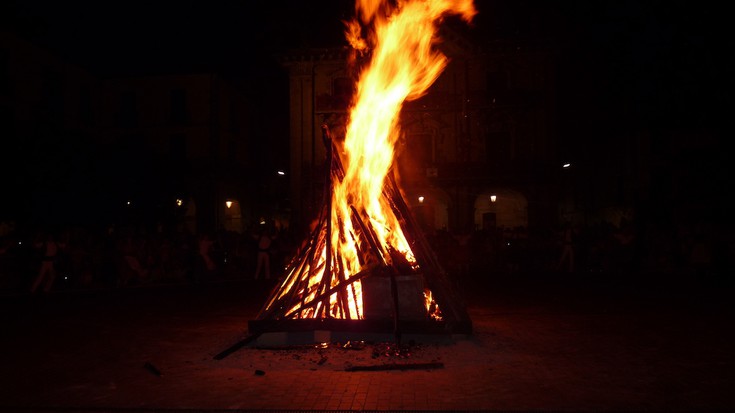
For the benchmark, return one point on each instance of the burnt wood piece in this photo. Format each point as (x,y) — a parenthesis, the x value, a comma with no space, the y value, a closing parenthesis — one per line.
(360,275)
(237,346)
(397,366)
(436,278)
(328,192)
(308,261)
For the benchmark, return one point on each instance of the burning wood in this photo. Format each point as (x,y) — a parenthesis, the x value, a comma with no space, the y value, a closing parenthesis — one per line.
(366,259)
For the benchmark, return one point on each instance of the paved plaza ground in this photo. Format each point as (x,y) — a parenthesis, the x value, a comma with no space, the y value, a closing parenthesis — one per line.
(540,343)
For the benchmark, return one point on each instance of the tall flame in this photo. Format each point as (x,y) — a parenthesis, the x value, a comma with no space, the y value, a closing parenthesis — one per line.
(403,66)
(400,36)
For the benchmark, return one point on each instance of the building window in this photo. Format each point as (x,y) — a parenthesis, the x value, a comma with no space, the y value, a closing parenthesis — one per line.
(177,147)
(500,141)
(232,150)
(85,105)
(421,147)
(416,158)
(497,86)
(7,123)
(4,73)
(343,88)
(128,115)
(52,95)
(234,120)
(179,114)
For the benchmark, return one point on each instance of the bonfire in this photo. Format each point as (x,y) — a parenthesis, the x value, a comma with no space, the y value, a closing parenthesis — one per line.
(366,261)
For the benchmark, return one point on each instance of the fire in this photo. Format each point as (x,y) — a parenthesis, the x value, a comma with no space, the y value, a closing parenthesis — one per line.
(403,66)
(400,37)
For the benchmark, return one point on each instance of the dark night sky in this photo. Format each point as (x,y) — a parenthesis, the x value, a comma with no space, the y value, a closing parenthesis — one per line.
(623,65)
(635,61)
(136,36)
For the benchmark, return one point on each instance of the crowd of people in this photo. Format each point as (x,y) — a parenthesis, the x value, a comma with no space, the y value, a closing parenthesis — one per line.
(75,258)
(595,251)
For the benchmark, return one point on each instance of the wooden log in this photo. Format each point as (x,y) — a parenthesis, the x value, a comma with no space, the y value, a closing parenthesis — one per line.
(435,277)
(397,366)
(238,345)
(352,279)
(369,237)
(307,262)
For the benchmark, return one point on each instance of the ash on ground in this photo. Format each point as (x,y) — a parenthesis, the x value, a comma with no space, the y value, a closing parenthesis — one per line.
(344,356)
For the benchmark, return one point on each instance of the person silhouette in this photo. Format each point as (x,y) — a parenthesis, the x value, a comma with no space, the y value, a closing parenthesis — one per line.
(265,241)
(566,259)
(207,265)
(50,249)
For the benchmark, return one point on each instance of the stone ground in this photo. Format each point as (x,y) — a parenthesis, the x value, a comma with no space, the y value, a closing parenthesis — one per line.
(540,343)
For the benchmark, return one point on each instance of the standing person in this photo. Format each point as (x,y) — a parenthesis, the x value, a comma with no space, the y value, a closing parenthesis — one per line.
(206,247)
(567,249)
(50,249)
(461,253)
(265,241)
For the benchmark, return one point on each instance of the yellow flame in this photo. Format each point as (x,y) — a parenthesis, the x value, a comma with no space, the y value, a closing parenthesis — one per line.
(403,66)
(400,36)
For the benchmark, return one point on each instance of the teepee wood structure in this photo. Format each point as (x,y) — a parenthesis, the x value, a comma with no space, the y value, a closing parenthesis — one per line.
(366,267)
(388,295)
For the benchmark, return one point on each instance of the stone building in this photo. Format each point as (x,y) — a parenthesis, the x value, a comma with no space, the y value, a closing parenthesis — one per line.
(476,152)
(47,124)
(83,148)
(188,131)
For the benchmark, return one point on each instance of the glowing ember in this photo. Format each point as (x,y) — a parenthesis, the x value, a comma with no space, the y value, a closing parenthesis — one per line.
(359,230)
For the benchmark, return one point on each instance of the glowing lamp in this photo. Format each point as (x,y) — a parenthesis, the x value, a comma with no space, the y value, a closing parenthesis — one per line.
(228,203)
(493,198)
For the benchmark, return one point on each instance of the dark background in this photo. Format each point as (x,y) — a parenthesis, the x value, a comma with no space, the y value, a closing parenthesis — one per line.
(632,61)
(621,65)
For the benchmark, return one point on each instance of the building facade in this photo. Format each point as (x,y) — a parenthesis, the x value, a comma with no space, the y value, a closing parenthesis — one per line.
(159,150)
(187,131)
(476,152)
(48,124)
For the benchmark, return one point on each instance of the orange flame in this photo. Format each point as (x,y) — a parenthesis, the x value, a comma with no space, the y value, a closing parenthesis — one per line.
(404,65)
(400,36)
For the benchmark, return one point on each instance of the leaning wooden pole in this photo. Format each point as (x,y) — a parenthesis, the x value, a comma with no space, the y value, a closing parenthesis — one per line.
(328,186)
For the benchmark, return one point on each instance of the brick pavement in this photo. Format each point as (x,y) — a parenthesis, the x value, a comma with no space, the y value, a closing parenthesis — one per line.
(534,348)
